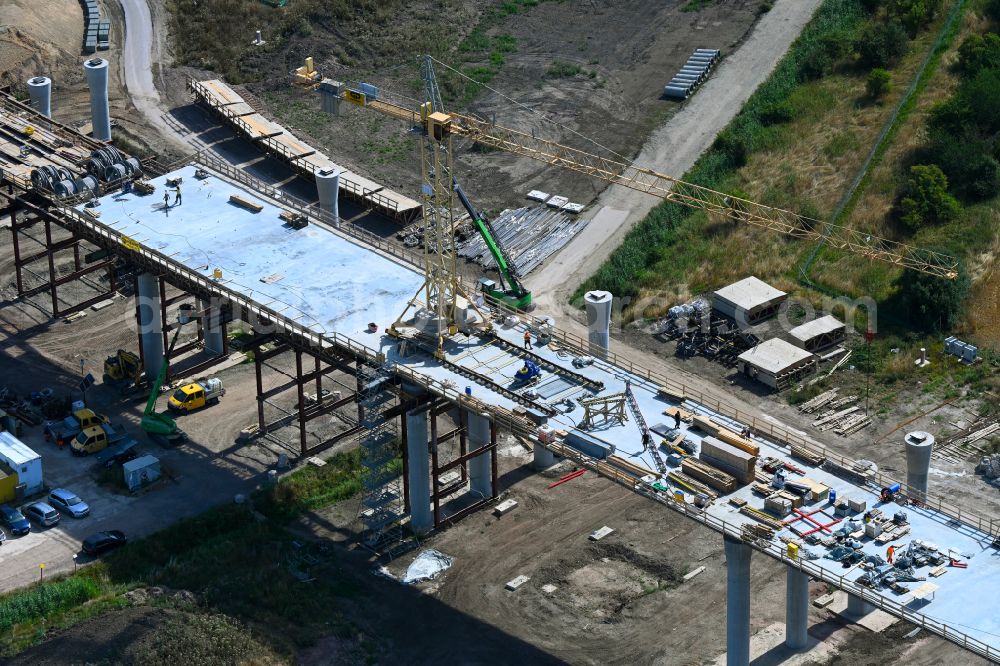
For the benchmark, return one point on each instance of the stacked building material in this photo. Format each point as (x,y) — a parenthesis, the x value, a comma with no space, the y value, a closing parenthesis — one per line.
(728,458)
(97,36)
(709,474)
(692,74)
(529,235)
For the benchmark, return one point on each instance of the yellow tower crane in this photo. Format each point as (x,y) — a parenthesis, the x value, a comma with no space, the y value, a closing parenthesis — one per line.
(442,286)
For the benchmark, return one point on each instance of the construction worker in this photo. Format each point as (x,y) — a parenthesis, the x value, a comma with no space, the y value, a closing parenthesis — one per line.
(890,551)
(647,440)
(527,339)
(677,419)
(166,199)
(177,195)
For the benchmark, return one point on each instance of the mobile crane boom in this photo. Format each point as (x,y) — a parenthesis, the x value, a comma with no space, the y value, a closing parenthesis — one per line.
(512,292)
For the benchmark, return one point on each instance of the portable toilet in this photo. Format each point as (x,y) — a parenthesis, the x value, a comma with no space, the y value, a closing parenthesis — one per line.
(141,471)
(25,463)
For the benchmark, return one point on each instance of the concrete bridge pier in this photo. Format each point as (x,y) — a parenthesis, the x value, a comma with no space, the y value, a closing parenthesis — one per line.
(150,324)
(418,471)
(796,608)
(858,607)
(543,457)
(480,467)
(737,602)
(215,332)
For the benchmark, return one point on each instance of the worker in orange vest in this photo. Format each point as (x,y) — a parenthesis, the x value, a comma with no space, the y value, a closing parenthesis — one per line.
(889,553)
(527,339)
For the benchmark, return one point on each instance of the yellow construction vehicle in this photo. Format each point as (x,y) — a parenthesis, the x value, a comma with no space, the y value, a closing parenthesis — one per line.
(196,395)
(123,369)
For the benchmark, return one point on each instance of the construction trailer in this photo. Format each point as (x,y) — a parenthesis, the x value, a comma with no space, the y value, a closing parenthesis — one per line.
(749,301)
(819,334)
(777,363)
(24,462)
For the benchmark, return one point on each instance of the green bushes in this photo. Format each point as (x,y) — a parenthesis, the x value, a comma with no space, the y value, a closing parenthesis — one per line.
(964,130)
(44,600)
(913,14)
(313,487)
(634,264)
(562,70)
(978,52)
(882,44)
(933,303)
(879,83)
(925,200)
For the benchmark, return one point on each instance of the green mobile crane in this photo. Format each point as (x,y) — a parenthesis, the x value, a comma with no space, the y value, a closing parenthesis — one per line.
(160,427)
(511,291)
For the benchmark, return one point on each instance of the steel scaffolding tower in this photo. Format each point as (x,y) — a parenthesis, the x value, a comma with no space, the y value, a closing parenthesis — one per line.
(382,504)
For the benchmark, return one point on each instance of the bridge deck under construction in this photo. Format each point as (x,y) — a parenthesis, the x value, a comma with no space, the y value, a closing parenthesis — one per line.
(331,285)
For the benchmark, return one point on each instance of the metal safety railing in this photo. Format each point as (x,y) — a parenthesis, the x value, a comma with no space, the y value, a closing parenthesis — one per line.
(776,551)
(765,428)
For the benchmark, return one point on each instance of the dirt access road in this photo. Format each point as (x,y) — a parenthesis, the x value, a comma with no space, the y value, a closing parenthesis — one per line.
(672,149)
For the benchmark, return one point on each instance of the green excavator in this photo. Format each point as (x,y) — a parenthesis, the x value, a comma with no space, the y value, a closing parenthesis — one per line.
(160,427)
(511,291)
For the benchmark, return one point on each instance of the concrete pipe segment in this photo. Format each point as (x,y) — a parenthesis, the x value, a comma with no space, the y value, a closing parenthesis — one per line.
(598,304)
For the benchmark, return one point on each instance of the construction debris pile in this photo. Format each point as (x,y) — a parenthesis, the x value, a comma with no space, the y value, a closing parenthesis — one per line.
(698,331)
(528,235)
(838,413)
(989,466)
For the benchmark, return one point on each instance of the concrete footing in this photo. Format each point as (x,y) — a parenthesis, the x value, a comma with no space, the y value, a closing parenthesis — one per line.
(796,609)
(480,468)
(418,471)
(150,324)
(737,602)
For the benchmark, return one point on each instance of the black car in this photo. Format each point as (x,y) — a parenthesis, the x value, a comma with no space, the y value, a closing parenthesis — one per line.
(14,520)
(103,542)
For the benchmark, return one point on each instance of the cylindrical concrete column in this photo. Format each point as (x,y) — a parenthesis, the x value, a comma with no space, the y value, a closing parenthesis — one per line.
(480,476)
(96,70)
(40,92)
(150,325)
(796,608)
(858,607)
(737,602)
(328,187)
(919,446)
(211,325)
(598,304)
(544,458)
(418,471)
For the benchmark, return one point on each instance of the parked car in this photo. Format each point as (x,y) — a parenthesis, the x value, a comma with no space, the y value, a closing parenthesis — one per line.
(14,520)
(70,502)
(119,454)
(41,513)
(103,542)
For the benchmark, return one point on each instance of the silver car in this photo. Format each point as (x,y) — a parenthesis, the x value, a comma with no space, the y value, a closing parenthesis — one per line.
(41,513)
(68,501)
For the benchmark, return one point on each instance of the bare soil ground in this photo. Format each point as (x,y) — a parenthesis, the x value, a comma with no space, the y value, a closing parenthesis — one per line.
(625,51)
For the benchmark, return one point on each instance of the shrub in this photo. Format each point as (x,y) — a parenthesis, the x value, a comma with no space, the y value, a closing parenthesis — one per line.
(925,198)
(879,83)
(978,52)
(777,113)
(914,14)
(933,303)
(562,70)
(993,9)
(882,44)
